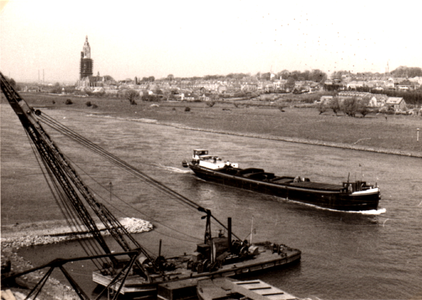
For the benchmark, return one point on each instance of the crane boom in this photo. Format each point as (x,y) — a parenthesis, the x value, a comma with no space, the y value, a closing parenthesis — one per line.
(69,180)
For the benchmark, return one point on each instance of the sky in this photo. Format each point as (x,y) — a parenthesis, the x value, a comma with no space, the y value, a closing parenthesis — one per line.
(44,38)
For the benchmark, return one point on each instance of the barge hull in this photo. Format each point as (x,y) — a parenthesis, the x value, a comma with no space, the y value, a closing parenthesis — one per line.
(136,286)
(321,195)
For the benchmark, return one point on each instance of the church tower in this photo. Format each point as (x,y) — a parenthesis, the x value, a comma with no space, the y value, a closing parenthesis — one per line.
(86,61)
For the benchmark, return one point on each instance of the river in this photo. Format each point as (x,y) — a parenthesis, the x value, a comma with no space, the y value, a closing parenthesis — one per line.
(344,255)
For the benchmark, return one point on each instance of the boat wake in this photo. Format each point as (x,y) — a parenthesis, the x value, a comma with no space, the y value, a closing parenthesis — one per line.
(174,169)
(371,212)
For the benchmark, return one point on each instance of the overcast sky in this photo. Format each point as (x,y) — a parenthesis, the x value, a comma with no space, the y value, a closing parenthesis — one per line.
(197,38)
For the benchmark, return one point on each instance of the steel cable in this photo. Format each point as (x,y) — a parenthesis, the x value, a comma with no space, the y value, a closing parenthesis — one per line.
(119,162)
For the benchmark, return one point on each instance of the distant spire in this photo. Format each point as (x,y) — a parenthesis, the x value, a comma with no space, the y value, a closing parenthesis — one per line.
(86,64)
(86,49)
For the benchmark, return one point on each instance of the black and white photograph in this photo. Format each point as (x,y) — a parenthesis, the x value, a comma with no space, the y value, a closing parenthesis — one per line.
(193,150)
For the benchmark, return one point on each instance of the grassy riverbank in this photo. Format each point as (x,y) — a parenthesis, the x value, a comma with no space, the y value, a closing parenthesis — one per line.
(287,118)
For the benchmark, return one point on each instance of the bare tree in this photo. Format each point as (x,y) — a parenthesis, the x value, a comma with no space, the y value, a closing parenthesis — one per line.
(290,84)
(335,105)
(132,95)
(322,107)
(362,107)
(349,106)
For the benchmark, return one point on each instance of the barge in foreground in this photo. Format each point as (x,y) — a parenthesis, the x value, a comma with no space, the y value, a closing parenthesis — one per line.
(348,196)
(217,257)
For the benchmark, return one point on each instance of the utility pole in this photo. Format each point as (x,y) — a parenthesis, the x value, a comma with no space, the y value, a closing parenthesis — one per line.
(111,188)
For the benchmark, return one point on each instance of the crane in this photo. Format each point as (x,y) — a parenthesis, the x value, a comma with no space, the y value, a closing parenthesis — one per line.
(67,179)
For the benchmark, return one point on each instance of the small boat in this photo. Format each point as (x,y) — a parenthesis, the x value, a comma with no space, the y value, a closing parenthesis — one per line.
(228,288)
(347,196)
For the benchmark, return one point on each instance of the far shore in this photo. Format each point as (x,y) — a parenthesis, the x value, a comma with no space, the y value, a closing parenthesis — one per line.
(353,146)
(287,119)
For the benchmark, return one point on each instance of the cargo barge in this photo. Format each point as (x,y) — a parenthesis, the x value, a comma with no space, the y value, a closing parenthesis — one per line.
(347,196)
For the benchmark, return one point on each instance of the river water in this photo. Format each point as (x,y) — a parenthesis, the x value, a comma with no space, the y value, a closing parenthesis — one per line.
(344,255)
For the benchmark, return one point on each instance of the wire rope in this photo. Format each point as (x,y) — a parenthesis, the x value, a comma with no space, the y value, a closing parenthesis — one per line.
(149,217)
(85,142)
(119,162)
(67,210)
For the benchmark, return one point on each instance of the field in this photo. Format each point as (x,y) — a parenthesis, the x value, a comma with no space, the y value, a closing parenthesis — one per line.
(395,133)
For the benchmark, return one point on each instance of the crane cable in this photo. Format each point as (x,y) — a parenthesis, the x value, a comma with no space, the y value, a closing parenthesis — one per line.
(89,247)
(132,207)
(119,162)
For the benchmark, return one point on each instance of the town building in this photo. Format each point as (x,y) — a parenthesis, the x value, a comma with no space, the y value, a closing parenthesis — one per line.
(87,63)
(377,100)
(397,103)
(87,81)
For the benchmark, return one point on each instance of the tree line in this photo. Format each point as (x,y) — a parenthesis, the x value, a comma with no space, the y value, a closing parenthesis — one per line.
(402,71)
(411,97)
(308,75)
(410,72)
(349,106)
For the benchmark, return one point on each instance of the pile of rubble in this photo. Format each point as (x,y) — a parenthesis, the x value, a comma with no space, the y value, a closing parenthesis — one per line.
(134,225)
(64,233)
